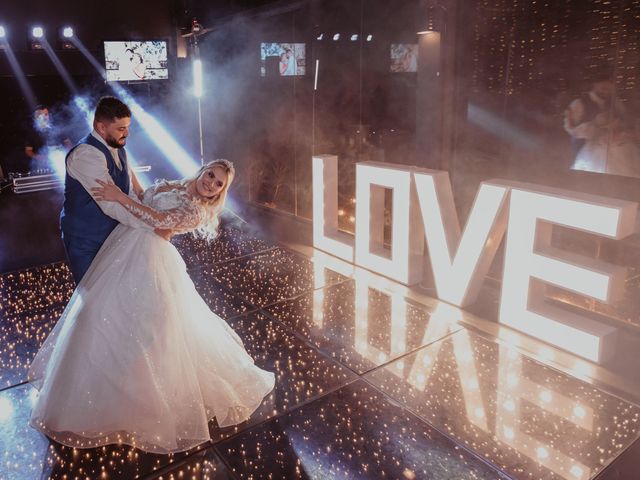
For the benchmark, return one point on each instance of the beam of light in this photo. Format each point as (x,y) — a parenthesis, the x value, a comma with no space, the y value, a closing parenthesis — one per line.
(82,105)
(197,78)
(22,79)
(530,261)
(500,127)
(460,262)
(326,235)
(59,67)
(176,155)
(169,147)
(56,157)
(92,60)
(404,262)
(37,32)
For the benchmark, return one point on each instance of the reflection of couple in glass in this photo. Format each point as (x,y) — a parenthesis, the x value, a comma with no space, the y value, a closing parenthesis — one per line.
(287,62)
(602,135)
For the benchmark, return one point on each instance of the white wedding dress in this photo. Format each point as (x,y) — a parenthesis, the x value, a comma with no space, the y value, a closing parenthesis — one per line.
(137,356)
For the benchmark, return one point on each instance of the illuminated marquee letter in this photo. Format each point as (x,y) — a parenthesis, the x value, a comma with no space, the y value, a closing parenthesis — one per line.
(325,209)
(530,260)
(460,263)
(404,262)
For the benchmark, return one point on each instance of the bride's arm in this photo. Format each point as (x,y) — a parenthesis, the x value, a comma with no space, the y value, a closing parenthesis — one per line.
(136,184)
(183,218)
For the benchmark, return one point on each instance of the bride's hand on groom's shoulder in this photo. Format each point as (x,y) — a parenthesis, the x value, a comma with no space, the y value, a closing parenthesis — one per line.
(107,191)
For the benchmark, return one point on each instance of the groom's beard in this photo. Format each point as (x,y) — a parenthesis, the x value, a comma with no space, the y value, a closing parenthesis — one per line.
(113,143)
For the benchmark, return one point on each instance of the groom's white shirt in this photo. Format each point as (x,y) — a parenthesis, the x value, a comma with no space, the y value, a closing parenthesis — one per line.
(87,164)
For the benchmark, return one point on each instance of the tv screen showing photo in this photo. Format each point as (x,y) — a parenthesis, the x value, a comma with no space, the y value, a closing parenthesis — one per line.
(290,58)
(136,60)
(404,57)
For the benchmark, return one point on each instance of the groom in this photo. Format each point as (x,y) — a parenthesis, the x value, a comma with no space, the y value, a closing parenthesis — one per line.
(85,222)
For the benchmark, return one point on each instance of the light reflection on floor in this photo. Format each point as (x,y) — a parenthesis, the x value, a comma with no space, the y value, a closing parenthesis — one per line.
(373,381)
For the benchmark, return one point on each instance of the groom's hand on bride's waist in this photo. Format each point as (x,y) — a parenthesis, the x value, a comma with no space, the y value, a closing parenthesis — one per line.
(164,233)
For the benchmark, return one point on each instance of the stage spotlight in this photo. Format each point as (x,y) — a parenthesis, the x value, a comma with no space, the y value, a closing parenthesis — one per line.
(369,38)
(320,37)
(336,37)
(3,33)
(37,35)
(354,37)
(66,39)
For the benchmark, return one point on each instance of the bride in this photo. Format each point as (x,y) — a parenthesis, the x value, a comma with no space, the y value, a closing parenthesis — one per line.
(137,356)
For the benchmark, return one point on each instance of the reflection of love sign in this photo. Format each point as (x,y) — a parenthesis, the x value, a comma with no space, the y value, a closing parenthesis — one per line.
(423,210)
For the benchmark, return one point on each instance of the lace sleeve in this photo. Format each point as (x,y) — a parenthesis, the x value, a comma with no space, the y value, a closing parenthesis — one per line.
(187,217)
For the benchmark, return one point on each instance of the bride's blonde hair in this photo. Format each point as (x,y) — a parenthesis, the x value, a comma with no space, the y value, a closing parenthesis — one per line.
(212,206)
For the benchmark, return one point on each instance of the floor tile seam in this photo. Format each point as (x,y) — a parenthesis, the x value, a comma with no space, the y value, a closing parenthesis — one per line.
(282,414)
(301,294)
(604,473)
(18,270)
(308,343)
(315,347)
(276,246)
(7,388)
(282,300)
(610,461)
(365,375)
(455,441)
(223,262)
(172,465)
(411,352)
(42,310)
(225,461)
(253,308)
(598,385)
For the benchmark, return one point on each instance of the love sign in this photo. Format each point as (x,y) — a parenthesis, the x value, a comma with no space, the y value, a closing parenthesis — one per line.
(425,226)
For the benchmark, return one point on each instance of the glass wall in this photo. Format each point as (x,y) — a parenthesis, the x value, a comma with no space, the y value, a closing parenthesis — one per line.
(536,91)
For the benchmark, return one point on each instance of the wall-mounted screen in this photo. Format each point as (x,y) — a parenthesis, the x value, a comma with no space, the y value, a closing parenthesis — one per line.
(135,60)
(290,58)
(404,57)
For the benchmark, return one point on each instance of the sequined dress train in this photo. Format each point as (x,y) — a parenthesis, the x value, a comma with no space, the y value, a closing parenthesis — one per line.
(137,356)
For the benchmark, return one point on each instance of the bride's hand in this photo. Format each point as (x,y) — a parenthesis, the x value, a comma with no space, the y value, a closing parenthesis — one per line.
(107,191)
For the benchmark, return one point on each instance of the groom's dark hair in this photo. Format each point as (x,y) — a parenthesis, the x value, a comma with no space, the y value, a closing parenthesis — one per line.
(109,109)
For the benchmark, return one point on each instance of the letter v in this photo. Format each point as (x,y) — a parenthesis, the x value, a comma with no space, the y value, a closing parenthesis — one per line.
(460,263)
